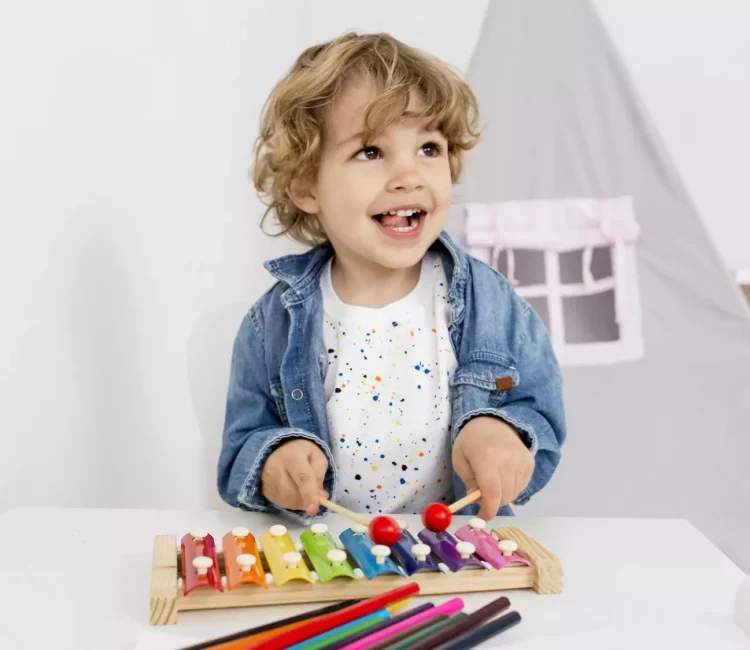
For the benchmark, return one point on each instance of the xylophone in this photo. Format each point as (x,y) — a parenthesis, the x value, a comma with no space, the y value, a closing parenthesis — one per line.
(273,570)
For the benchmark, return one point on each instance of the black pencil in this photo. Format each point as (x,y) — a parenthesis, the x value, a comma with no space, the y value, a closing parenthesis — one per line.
(461,626)
(236,636)
(487,631)
(380,626)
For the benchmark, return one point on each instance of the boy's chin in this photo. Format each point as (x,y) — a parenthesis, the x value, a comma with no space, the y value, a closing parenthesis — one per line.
(405,257)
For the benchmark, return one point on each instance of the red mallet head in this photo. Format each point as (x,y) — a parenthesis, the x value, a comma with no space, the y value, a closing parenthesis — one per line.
(437,517)
(384,530)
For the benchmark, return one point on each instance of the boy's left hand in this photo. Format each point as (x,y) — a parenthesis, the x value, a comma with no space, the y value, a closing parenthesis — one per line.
(490,456)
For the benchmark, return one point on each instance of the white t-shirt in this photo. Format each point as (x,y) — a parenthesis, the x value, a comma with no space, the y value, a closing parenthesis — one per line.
(388,399)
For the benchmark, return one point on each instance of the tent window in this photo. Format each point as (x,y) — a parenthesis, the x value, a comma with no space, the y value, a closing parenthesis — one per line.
(541,307)
(571,267)
(590,318)
(601,263)
(574,261)
(526,267)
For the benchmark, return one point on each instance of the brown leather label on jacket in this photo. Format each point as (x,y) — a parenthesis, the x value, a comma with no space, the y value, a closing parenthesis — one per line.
(504,383)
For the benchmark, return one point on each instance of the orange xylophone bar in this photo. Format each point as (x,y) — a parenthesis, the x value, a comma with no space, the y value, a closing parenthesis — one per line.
(331,621)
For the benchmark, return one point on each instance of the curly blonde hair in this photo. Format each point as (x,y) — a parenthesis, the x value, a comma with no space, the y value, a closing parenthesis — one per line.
(291,133)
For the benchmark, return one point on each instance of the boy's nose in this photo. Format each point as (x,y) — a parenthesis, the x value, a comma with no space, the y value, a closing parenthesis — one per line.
(406,180)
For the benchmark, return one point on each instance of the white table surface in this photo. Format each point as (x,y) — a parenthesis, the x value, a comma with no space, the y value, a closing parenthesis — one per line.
(79,579)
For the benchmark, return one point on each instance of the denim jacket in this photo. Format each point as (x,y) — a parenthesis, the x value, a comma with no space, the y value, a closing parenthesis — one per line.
(276,389)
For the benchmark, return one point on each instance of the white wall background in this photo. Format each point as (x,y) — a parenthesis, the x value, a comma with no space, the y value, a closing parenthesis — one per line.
(690,61)
(126,213)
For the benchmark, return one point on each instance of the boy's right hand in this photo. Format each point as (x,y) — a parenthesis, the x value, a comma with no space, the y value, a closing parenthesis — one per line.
(293,476)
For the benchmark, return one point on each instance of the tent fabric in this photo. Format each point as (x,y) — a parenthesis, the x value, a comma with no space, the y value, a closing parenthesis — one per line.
(585,285)
(665,434)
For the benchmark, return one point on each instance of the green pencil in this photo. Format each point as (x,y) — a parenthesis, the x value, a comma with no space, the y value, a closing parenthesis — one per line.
(328,638)
(406,643)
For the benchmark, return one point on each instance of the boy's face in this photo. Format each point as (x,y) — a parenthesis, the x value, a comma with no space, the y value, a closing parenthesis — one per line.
(382,203)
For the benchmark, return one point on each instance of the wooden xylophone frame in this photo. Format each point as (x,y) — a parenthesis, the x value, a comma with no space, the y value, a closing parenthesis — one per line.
(167,599)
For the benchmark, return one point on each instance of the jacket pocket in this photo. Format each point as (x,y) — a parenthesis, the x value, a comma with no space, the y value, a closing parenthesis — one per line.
(484,380)
(277,392)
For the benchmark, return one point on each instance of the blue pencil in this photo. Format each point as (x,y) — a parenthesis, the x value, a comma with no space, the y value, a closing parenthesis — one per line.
(380,626)
(487,631)
(375,618)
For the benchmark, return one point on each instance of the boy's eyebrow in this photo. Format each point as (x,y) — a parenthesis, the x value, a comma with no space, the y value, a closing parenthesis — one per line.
(356,136)
(359,136)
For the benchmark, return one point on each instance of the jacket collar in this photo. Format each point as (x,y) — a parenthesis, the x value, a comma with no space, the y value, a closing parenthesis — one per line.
(301,272)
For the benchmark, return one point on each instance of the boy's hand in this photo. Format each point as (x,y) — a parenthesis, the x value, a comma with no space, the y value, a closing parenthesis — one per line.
(293,476)
(489,455)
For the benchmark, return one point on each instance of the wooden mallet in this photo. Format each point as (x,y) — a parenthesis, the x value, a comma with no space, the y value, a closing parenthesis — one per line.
(382,530)
(437,517)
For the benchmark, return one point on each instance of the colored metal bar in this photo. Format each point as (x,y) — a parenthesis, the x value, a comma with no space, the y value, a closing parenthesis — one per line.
(318,547)
(234,547)
(192,548)
(444,546)
(359,547)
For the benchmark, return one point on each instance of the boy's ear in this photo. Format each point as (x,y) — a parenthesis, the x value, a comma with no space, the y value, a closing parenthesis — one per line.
(302,193)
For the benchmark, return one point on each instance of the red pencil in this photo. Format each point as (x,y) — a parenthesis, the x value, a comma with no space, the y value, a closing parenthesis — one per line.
(333,620)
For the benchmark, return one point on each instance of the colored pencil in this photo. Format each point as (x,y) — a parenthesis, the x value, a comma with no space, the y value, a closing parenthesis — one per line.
(410,632)
(459,627)
(448,607)
(345,631)
(406,642)
(336,619)
(243,635)
(483,632)
(381,626)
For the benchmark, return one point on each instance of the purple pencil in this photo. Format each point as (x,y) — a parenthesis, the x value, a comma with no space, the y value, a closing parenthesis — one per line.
(449,607)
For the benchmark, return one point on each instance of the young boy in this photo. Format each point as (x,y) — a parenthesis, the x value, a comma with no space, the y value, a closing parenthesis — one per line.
(386,368)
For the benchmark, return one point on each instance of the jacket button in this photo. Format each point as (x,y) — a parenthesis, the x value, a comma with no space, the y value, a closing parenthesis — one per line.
(297,394)
(487,375)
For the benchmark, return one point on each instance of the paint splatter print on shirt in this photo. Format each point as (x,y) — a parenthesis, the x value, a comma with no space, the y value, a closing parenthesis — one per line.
(388,400)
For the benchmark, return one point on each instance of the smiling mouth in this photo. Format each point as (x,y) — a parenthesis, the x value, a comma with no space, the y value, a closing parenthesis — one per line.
(400,220)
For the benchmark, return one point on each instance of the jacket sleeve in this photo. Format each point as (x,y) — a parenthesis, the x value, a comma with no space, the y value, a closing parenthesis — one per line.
(534,408)
(253,428)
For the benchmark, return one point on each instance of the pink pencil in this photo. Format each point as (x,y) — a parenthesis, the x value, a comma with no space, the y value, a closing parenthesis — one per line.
(449,608)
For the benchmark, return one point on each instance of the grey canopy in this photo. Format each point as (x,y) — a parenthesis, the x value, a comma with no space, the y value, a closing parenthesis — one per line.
(663,431)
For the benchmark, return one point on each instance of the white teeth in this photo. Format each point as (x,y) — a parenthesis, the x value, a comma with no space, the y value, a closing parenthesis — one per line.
(404,213)
(408,228)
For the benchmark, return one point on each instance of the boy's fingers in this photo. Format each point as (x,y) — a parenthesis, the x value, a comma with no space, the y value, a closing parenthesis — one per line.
(508,488)
(492,493)
(304,478)
(319,464)
(471,485)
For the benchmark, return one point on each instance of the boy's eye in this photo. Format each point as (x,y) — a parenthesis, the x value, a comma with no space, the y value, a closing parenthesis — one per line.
(431,149)
(368,153)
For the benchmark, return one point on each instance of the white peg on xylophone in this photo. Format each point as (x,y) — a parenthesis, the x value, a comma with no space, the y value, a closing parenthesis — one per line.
(277,531)
(292,559)
(403,525)
(319,529)
(202,564)
(240,532)
(336,556)
(507,546)
(246,561)
(477,524)
(465,549)
(198,534)
(380,552)
(359,529)
(420,552)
